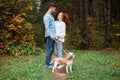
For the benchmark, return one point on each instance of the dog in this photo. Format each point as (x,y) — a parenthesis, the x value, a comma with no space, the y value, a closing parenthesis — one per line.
(61,62)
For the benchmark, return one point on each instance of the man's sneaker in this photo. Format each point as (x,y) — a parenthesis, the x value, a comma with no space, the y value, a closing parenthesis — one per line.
(45,65)
(50,66)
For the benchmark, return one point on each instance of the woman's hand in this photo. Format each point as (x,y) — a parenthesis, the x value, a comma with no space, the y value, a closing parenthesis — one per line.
(53,38)
(58,37)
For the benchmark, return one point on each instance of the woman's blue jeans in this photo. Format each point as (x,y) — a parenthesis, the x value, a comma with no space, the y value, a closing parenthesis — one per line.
(58,48)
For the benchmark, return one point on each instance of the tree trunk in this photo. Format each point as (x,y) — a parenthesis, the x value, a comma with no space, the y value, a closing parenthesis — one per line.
(86,24)
(81,9)
(118,9)
(83,16)
(108,22)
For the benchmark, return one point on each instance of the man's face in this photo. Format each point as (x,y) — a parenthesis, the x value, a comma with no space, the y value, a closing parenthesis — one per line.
(53,10)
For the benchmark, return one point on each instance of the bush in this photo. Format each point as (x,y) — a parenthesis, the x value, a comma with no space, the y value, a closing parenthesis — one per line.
(16,25)
(24,50)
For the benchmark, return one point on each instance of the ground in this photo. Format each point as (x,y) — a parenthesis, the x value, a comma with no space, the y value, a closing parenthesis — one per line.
(88,65)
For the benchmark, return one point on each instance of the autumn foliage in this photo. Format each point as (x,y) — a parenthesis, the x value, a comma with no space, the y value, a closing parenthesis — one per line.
(17,32)
(22,29)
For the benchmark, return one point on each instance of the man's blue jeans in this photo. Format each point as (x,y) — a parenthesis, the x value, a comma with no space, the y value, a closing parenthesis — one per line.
(49,49)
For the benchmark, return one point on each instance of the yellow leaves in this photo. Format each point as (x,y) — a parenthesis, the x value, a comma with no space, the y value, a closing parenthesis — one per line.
(18,30)
(74,17)
(0,19)
(28,7)
(92,29)
(89,20)
(2,33)
(118,34)
(77,30)
(6,45)
(24,38)
(23,14)
(117,25)
(1,43)
(8,35)
(28,25)
(16,53)
(11,27)
(17,19)
(5,35)
(27,37)
(19,26)
(17,22)
(1,46)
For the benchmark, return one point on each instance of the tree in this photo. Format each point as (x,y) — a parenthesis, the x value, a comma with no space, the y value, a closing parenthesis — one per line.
(85,9)
(108,27)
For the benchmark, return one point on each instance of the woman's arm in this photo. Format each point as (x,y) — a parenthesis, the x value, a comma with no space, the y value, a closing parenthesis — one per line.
(62,31)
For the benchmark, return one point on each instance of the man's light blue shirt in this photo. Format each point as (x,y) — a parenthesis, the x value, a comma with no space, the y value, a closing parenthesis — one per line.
(49,23)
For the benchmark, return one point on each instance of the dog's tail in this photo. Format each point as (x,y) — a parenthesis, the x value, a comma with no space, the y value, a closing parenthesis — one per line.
(52,61)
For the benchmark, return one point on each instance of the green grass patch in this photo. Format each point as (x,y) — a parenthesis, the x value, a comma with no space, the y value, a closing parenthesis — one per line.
(95,65)
(88,65)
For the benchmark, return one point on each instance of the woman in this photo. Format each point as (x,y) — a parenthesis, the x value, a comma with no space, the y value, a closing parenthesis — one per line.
(61,24)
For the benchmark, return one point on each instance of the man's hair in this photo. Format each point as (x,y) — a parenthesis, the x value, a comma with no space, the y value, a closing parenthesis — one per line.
(51,5)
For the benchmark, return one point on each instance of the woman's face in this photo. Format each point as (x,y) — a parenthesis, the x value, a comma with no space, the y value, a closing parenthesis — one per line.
(59,17)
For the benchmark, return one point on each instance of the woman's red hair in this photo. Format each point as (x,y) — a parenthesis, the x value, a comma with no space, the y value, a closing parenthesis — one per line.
(66,19)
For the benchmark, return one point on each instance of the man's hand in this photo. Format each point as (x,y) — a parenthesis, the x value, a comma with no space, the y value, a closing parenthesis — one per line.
(53,38)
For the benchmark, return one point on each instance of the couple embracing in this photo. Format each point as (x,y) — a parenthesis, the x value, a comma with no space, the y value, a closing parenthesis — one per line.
(54,32)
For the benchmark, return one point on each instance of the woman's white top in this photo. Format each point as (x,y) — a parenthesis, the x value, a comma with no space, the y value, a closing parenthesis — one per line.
(60,30)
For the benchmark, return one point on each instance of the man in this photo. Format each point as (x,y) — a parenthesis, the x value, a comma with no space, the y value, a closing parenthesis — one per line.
(50,33)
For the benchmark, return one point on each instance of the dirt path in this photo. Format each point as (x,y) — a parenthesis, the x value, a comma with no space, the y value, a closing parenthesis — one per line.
(60,75)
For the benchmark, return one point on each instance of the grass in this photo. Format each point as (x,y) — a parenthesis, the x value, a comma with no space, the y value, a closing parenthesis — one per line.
(88,65)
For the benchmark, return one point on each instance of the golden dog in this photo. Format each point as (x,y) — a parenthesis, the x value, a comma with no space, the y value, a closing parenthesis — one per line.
(68,61)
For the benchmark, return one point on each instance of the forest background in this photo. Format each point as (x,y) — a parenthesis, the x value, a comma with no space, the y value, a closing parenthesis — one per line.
(95,25)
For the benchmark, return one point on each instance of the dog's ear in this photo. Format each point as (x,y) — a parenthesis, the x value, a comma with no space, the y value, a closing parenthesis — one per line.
(73,56)
(70,57)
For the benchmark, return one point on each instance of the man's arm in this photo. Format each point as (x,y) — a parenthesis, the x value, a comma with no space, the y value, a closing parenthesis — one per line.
(47,25)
